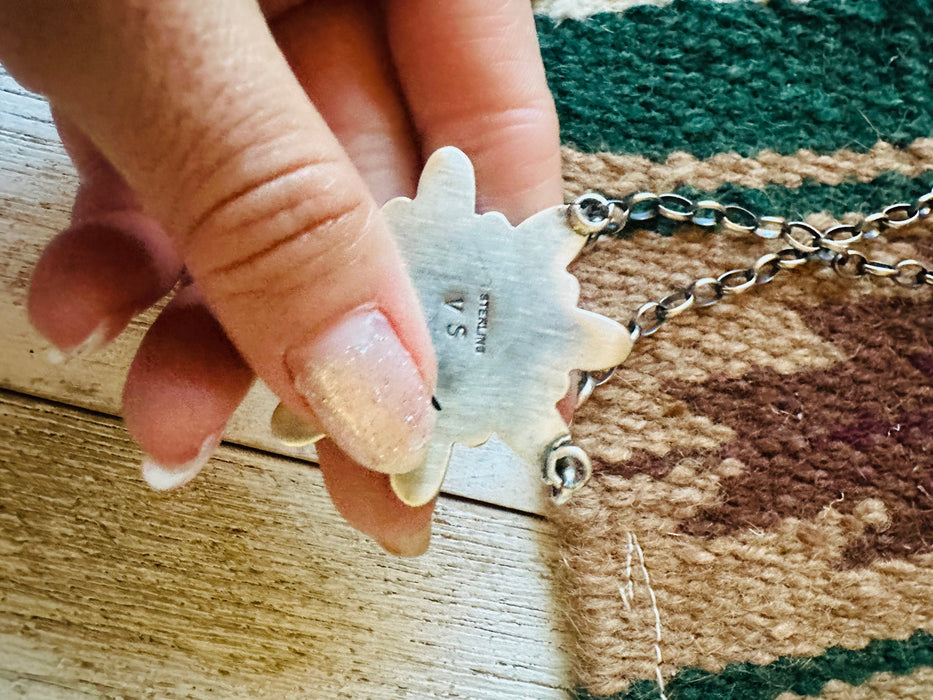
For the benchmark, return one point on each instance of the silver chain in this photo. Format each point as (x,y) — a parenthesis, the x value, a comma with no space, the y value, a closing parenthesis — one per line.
(594,216)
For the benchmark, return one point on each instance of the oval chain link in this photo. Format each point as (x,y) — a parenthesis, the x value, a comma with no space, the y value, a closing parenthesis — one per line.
(595,216)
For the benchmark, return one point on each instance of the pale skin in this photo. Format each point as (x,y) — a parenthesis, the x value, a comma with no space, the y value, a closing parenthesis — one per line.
(241,150)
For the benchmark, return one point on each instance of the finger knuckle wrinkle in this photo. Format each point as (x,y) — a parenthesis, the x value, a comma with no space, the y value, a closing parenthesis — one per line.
(534,117)
(297,218)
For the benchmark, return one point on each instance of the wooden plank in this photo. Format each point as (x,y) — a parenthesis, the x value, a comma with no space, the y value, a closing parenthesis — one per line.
(248,583)
(37,183)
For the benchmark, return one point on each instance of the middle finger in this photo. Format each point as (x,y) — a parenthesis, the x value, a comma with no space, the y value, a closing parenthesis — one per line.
(339,54)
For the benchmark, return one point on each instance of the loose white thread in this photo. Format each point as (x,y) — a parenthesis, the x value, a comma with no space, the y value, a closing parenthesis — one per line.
(627,593)
(627,590)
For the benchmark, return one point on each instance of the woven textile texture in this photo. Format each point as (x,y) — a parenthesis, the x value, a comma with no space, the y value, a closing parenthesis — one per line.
(760,520)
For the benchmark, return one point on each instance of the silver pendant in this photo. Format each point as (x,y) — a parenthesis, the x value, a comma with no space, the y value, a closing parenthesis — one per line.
(502,311)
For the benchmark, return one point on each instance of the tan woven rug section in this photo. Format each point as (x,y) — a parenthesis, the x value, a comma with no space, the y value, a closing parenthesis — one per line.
(762,468)
(760,520)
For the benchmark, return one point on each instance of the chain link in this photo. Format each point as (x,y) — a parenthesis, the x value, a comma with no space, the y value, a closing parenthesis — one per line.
(595,216)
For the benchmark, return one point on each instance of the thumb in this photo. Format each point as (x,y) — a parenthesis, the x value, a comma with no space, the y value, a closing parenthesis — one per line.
(197,109)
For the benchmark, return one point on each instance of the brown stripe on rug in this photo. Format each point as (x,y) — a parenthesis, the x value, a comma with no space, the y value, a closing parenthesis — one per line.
(764,328)
(762,467)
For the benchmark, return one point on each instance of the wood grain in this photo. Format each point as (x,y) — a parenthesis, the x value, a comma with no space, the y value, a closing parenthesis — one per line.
(37,183)
(249,584)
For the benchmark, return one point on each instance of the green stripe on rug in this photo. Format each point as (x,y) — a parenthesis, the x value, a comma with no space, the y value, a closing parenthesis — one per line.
(692,76)
(802,675)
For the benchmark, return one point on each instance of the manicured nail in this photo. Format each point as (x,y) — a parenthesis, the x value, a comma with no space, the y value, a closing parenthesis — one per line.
(95,341)
(164,478)
(411,545)
(366,391)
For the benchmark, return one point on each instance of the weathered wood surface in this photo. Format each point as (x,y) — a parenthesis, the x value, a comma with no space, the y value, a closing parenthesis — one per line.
(37,182)
(248,583)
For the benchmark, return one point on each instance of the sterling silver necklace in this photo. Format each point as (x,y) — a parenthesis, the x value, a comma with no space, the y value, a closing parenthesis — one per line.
(502,307)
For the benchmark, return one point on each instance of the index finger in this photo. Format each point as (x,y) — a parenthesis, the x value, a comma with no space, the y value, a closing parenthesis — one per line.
(274,223)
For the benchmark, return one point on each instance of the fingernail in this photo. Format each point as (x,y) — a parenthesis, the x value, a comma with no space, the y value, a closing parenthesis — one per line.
(366,391)
(164,478)
(95,341)
(410,545)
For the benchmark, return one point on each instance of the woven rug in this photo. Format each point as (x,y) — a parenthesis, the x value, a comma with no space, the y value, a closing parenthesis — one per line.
(760,520)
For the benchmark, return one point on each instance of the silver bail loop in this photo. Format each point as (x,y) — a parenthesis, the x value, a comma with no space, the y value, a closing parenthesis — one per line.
(567,468)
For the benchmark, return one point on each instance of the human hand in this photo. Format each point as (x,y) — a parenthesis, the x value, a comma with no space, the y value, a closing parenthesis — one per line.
(249,164)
